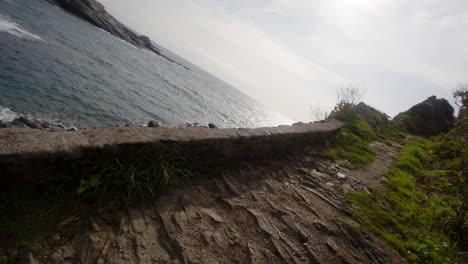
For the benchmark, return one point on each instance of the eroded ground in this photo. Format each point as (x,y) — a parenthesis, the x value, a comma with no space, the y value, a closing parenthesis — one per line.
(286,211)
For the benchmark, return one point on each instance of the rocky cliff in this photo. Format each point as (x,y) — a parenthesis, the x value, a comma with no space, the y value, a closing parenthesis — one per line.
(95,13)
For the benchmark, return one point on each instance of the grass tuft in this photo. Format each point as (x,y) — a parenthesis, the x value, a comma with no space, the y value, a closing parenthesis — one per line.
(31,216)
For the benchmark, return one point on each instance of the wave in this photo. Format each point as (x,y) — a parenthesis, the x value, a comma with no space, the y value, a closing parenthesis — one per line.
(15,29)
(6,115)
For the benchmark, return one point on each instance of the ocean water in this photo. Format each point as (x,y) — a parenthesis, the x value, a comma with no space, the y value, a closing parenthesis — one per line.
(56,67)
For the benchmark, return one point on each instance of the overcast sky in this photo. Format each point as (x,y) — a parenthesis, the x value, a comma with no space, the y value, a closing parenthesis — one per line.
(291,55)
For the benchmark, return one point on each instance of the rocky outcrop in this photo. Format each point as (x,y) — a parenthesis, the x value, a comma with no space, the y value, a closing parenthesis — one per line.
(24,122)
(431,117)
(95,13)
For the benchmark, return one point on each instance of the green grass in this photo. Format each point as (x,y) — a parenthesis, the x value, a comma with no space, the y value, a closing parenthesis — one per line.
(130,179)
(31,215)
(417,222)
(363,124)
(346,145)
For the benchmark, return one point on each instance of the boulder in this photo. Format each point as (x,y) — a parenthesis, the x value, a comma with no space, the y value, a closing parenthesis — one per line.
(431,117)
(156,124)
(211,125)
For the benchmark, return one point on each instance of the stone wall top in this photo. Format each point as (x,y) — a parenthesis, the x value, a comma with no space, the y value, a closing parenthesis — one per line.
(24,141)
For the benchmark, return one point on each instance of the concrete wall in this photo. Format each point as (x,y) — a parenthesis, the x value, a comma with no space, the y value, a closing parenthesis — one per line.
(30,155)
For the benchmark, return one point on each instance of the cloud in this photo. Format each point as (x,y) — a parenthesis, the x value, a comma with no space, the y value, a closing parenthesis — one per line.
(291,54)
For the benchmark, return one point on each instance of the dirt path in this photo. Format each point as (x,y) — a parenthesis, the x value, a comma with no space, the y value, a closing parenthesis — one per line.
(373,176)
(281,212)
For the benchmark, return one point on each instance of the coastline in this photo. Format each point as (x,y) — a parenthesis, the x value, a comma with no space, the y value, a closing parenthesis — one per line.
(95,13)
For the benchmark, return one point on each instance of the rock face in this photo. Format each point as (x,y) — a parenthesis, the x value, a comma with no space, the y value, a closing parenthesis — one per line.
(95,13)
(431,117)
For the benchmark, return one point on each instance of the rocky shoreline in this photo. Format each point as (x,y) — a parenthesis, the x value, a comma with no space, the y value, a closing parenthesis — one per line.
(94,12)
(24,122)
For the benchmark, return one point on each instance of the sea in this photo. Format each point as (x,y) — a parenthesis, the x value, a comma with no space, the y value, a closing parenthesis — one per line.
(58,68)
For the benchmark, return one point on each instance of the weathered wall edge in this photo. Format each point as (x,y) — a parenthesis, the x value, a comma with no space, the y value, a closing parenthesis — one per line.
(28,154)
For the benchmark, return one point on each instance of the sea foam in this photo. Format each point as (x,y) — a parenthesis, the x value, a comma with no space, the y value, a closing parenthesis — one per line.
(6,115)
(16,30)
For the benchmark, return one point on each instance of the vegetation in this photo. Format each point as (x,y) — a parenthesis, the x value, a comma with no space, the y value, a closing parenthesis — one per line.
(363,124)
(127,179)
(419,211)
(422,212)
(30,216)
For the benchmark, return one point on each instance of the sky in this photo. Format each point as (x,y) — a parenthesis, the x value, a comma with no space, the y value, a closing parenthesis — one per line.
(292,55)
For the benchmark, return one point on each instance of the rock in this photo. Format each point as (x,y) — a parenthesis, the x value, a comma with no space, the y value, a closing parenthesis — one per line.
(72,129)
(346,188)
(95,13)
(323,227)
(63,253)
(234,238)
(28,122)
(213,215)
(136,220)
(332,244)
(211,125)
(2,125)
(366,190)
(187,124)
(156,124)
(46,125)
(207,235)
(341,176)
(319,175)
(431,117)
(298,124)
(219,240)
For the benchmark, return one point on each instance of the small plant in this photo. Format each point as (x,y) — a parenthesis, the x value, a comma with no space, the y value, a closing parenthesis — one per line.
(127,179)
